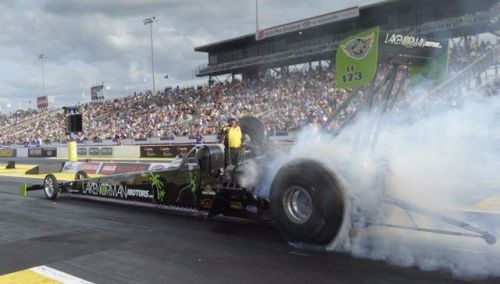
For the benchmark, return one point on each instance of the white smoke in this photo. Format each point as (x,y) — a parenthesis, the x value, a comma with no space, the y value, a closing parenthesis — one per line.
(251,175)
(446,160)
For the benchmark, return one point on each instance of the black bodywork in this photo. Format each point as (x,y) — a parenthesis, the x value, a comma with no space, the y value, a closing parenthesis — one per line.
(197,183)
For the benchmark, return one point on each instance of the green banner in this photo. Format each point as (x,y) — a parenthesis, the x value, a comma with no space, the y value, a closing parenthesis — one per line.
(356,59)
(106,151)
(433,73)
(93,151)
(81,151)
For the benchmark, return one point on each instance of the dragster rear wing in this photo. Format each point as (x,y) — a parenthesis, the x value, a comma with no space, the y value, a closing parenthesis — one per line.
(410,50)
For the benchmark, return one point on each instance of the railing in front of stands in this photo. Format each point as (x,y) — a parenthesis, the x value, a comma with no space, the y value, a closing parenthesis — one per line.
(275,135)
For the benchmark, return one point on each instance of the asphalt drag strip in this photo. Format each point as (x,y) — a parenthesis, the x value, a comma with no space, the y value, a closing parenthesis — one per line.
(110,243)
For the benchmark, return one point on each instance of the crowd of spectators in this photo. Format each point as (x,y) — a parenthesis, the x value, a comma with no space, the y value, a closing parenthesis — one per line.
(464,52)
(285,101)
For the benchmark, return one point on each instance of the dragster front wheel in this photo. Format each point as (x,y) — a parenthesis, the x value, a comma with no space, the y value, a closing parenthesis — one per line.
(307,203)
(50,187)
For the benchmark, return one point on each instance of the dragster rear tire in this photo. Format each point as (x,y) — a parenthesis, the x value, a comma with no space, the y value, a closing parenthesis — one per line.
(50,187)
(307,203)
(81,175)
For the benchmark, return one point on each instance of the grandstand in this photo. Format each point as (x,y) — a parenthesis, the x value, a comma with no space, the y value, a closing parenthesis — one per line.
(305,42)
(286,101)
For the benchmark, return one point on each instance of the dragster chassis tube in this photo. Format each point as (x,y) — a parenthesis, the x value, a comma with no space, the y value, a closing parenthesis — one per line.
(405,205)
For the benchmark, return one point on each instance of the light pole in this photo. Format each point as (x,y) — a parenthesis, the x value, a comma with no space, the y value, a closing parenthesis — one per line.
(149,21)
(256,16)
(42,57)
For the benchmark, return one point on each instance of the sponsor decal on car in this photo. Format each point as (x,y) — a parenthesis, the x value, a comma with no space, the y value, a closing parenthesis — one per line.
(157,185)
(191,185)
(359,47)
(115,191)
(206,203)
(357,58)
(410,41)
(138,193)
(236,205)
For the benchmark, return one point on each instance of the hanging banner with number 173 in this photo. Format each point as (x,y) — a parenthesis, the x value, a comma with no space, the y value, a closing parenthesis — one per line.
(356,59)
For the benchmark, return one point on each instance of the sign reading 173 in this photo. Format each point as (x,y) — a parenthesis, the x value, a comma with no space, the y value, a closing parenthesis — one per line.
(356,59)
(351,75)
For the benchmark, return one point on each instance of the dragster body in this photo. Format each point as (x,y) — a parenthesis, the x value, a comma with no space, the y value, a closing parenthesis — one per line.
(307,201)
(193,184)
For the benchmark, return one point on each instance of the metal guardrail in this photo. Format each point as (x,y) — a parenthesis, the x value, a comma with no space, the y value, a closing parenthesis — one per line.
(270,58)
(150,140)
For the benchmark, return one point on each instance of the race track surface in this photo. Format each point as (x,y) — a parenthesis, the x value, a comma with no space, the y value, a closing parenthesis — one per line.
(109,243)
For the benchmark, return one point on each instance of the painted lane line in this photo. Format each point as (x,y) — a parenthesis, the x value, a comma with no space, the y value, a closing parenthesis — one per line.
(41,274)
(26,277)
(58,275)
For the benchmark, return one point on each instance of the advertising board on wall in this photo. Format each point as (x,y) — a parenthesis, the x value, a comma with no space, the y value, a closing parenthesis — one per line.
(97,92)
(169,152)
(7,152)
(42,102)
(42,152)
(308,23)
(95,151)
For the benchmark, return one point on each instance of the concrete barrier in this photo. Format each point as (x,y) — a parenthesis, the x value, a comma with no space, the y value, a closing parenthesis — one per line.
(107,152)
(22,152)
(127,151)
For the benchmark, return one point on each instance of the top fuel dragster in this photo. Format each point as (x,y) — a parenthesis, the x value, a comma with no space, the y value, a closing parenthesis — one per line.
(307,201)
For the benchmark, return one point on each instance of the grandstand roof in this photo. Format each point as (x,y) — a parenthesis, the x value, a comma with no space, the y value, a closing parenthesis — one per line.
(248,38)
(309,43)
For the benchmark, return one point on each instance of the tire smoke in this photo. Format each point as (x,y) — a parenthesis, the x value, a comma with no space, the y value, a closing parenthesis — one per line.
(444,158)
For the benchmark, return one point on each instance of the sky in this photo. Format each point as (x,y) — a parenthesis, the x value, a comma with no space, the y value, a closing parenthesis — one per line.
(86,42)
